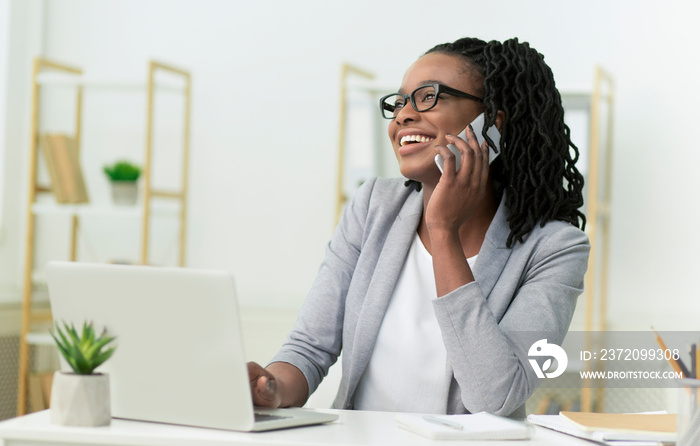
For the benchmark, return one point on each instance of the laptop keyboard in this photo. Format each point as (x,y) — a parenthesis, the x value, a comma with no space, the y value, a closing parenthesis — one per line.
(267,417)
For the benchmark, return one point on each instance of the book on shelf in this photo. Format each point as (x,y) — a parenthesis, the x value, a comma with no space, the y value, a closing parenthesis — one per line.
(61,155)
(46,383)
(37,401)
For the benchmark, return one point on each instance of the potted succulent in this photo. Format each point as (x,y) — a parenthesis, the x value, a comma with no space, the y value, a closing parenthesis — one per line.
(124,176)
(81,398)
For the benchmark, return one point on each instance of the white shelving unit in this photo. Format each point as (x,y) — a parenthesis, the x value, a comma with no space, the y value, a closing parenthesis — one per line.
(64,79)
(165,209)
(153,202)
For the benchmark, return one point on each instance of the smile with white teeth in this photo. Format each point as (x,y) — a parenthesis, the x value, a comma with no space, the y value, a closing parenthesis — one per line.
(415,138)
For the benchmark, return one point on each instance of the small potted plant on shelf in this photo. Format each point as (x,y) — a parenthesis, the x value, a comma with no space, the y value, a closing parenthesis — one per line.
(124,176)
(81,398)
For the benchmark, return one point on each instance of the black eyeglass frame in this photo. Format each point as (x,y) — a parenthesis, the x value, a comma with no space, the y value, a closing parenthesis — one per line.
(439,88)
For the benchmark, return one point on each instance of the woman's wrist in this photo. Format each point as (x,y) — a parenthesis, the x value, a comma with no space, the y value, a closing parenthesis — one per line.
(443,236)
(449,263)
(291,384)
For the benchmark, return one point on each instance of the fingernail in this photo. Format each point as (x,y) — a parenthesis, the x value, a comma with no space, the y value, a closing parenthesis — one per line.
(268,386)
(471,128)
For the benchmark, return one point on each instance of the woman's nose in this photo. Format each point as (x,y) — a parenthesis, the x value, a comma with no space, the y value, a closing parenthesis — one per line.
(406,113)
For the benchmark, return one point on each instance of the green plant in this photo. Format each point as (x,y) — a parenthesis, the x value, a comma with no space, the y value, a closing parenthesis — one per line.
(123,171)
(84,351)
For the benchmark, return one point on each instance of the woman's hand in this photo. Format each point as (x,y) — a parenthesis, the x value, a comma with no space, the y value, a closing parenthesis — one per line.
(278,385)
(263,386)
(457,197)
(458,193)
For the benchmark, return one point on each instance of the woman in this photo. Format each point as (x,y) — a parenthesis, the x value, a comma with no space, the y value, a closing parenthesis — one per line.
(423,330)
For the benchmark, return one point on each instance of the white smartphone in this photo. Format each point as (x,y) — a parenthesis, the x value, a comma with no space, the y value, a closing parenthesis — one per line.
(477,126)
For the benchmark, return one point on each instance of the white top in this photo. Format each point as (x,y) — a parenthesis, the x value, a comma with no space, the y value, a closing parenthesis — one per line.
(406,372)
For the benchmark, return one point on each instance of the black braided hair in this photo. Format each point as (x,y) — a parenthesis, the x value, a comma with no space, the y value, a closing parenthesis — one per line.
(536,167)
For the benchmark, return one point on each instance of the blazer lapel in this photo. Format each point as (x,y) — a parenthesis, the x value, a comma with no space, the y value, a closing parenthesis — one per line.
(494,253)
(381,288)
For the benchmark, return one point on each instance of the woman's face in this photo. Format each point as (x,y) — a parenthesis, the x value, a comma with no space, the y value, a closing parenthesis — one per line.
(451,114)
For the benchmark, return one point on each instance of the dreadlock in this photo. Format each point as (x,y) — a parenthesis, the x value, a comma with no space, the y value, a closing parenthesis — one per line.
(536,167)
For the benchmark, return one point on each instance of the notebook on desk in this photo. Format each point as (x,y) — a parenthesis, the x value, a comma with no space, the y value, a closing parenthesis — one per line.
(478,426)
(180,356)
(609,428)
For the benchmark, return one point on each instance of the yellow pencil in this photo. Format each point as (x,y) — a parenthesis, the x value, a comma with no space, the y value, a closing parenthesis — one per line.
(678,365)
(697,372)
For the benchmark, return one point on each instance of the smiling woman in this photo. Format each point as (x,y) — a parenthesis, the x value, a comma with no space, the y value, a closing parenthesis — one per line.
(427,282)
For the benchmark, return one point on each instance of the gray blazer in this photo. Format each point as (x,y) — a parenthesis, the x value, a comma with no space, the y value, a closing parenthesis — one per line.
(531,286)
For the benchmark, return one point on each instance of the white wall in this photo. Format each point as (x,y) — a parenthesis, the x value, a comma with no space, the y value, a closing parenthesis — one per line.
(22,40)
(4,60)
(266,82)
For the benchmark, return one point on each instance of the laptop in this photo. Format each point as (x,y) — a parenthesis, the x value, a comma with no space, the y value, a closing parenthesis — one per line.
(179,356)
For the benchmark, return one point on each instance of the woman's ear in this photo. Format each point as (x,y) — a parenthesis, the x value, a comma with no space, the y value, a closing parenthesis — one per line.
(500,117)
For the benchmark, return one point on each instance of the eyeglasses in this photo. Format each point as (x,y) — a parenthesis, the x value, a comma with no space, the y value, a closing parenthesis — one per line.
(422,98)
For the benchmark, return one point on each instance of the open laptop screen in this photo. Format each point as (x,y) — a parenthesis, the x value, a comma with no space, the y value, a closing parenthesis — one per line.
(180,354)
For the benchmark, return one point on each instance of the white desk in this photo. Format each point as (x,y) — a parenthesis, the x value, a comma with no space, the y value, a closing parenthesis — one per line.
(352,428)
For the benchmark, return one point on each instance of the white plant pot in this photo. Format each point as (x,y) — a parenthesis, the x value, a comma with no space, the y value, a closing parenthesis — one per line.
(125,193)
(80,400)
